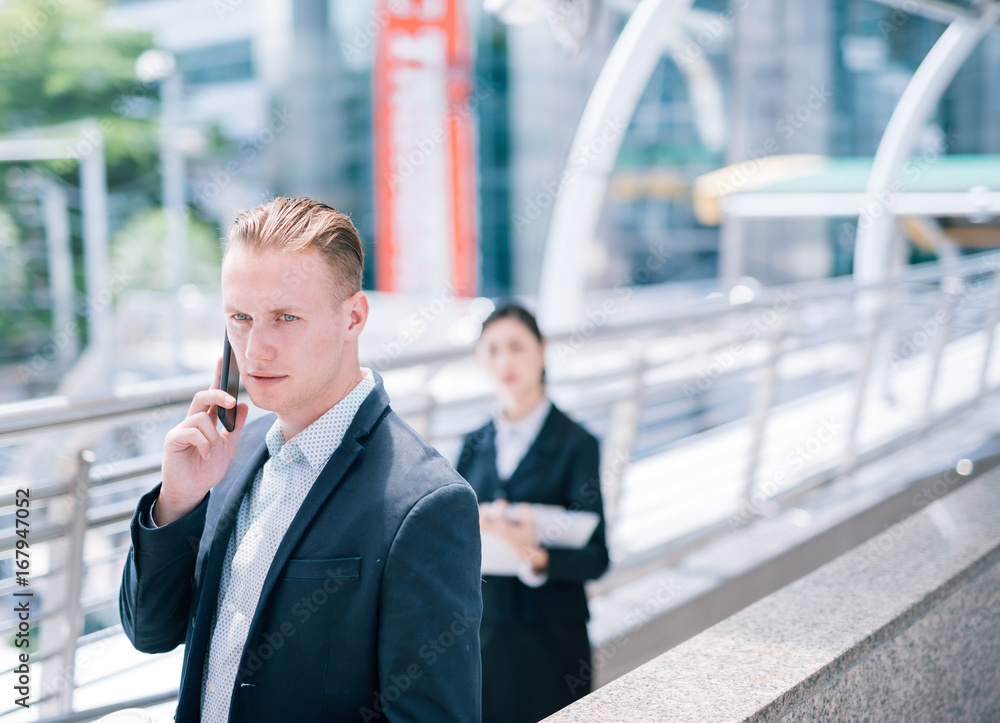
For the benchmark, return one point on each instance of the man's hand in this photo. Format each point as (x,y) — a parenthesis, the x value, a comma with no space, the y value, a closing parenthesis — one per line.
(195,454)
(515,526)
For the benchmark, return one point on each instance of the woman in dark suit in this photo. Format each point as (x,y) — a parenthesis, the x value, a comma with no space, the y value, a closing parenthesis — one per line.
(536,653)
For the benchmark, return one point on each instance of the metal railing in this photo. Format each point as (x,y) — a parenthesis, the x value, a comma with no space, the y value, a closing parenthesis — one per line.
(709,416)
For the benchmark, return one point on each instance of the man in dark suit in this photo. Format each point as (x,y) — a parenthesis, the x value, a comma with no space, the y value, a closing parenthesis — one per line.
(322,563)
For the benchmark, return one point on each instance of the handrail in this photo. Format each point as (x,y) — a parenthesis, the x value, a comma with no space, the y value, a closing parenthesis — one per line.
(713,373)
(146,701)
(38,415)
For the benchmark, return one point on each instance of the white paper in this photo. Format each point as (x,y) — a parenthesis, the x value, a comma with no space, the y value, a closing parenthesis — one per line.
(558,527)
(499,558)
(555,527)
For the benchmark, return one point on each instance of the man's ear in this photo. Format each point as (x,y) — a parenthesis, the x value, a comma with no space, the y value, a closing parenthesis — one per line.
(357,310)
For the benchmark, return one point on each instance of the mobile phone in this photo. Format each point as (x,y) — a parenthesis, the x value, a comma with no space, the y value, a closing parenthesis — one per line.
(230,382)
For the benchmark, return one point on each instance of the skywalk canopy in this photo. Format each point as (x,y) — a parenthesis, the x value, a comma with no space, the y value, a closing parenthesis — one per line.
(808,186)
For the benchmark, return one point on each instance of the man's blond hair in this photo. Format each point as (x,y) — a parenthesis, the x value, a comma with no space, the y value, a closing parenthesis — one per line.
(294,224)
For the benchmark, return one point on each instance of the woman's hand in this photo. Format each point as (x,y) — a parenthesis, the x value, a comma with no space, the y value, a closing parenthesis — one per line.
(515,525)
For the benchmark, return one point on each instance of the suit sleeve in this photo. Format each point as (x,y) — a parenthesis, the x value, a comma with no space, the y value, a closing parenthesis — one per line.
(429,612)
(583,493)
(464,456)
(472,450)
(155,597)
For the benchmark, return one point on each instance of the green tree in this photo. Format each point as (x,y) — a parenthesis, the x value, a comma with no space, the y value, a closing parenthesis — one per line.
(138,249)
(60,63)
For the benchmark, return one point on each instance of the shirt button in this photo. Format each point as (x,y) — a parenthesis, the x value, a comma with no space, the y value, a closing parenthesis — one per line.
(211,687)
(257,531)
(231,608)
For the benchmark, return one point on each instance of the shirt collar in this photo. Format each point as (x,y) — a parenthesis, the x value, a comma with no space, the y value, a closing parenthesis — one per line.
(315,448)
(529,425)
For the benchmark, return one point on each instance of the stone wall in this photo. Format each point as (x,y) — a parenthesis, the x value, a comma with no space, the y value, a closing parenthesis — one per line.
(905,627)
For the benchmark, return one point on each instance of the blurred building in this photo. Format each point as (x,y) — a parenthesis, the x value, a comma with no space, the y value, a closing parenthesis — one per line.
(797,76)
(289,82)
(283,86)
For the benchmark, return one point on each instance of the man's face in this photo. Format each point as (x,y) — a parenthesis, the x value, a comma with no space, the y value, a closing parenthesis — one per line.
(287,330)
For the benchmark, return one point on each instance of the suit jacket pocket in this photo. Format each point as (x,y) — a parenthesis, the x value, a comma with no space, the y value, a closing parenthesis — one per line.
(334,568)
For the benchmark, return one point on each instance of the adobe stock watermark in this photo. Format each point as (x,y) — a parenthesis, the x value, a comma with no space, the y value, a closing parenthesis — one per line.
(930,327)
(897,18)
(753,329)
(66,675)
(590,500)
(639,615)
(569,22)
(581,159)
(879,546)
(66,336)
(89,140)
(132,103)
(460,625)
(818,97)
(795,461)
(365,35)
(424,148)
(223,8)
(132,438)
(787,126)
(249,149)
(597,318)
(303,611)
(876,205)
(34,23)
(414,326)
(711,31)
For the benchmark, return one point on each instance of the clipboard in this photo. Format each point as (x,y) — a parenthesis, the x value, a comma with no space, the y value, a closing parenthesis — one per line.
(555,527)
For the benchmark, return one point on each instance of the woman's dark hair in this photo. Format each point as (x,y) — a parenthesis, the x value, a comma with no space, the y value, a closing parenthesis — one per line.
(512,310)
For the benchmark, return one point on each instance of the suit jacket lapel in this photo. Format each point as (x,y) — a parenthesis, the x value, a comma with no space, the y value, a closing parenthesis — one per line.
(541,449)
(489,457)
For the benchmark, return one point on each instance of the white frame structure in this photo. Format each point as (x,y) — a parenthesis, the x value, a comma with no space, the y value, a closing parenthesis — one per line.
(613,102)
(82,142)
(630,65)
(877,221)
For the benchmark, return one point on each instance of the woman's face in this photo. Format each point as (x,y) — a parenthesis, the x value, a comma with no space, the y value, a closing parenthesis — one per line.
(512,356)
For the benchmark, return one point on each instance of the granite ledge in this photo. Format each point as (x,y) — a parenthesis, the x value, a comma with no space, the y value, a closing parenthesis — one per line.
(778,653)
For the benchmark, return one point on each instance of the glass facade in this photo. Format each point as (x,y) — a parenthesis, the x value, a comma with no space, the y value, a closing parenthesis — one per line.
(796,76)
(787,76)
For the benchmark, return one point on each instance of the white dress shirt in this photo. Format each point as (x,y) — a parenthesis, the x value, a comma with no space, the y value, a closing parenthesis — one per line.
(513,440)
(264,517)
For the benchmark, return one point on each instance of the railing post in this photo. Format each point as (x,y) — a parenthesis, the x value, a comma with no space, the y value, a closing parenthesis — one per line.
(877,318)
(619,441)
(59,677)
(762,405)
(940,342)
(992,319)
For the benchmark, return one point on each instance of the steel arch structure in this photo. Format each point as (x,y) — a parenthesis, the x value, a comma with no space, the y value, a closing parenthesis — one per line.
(645,39)
(877,220)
